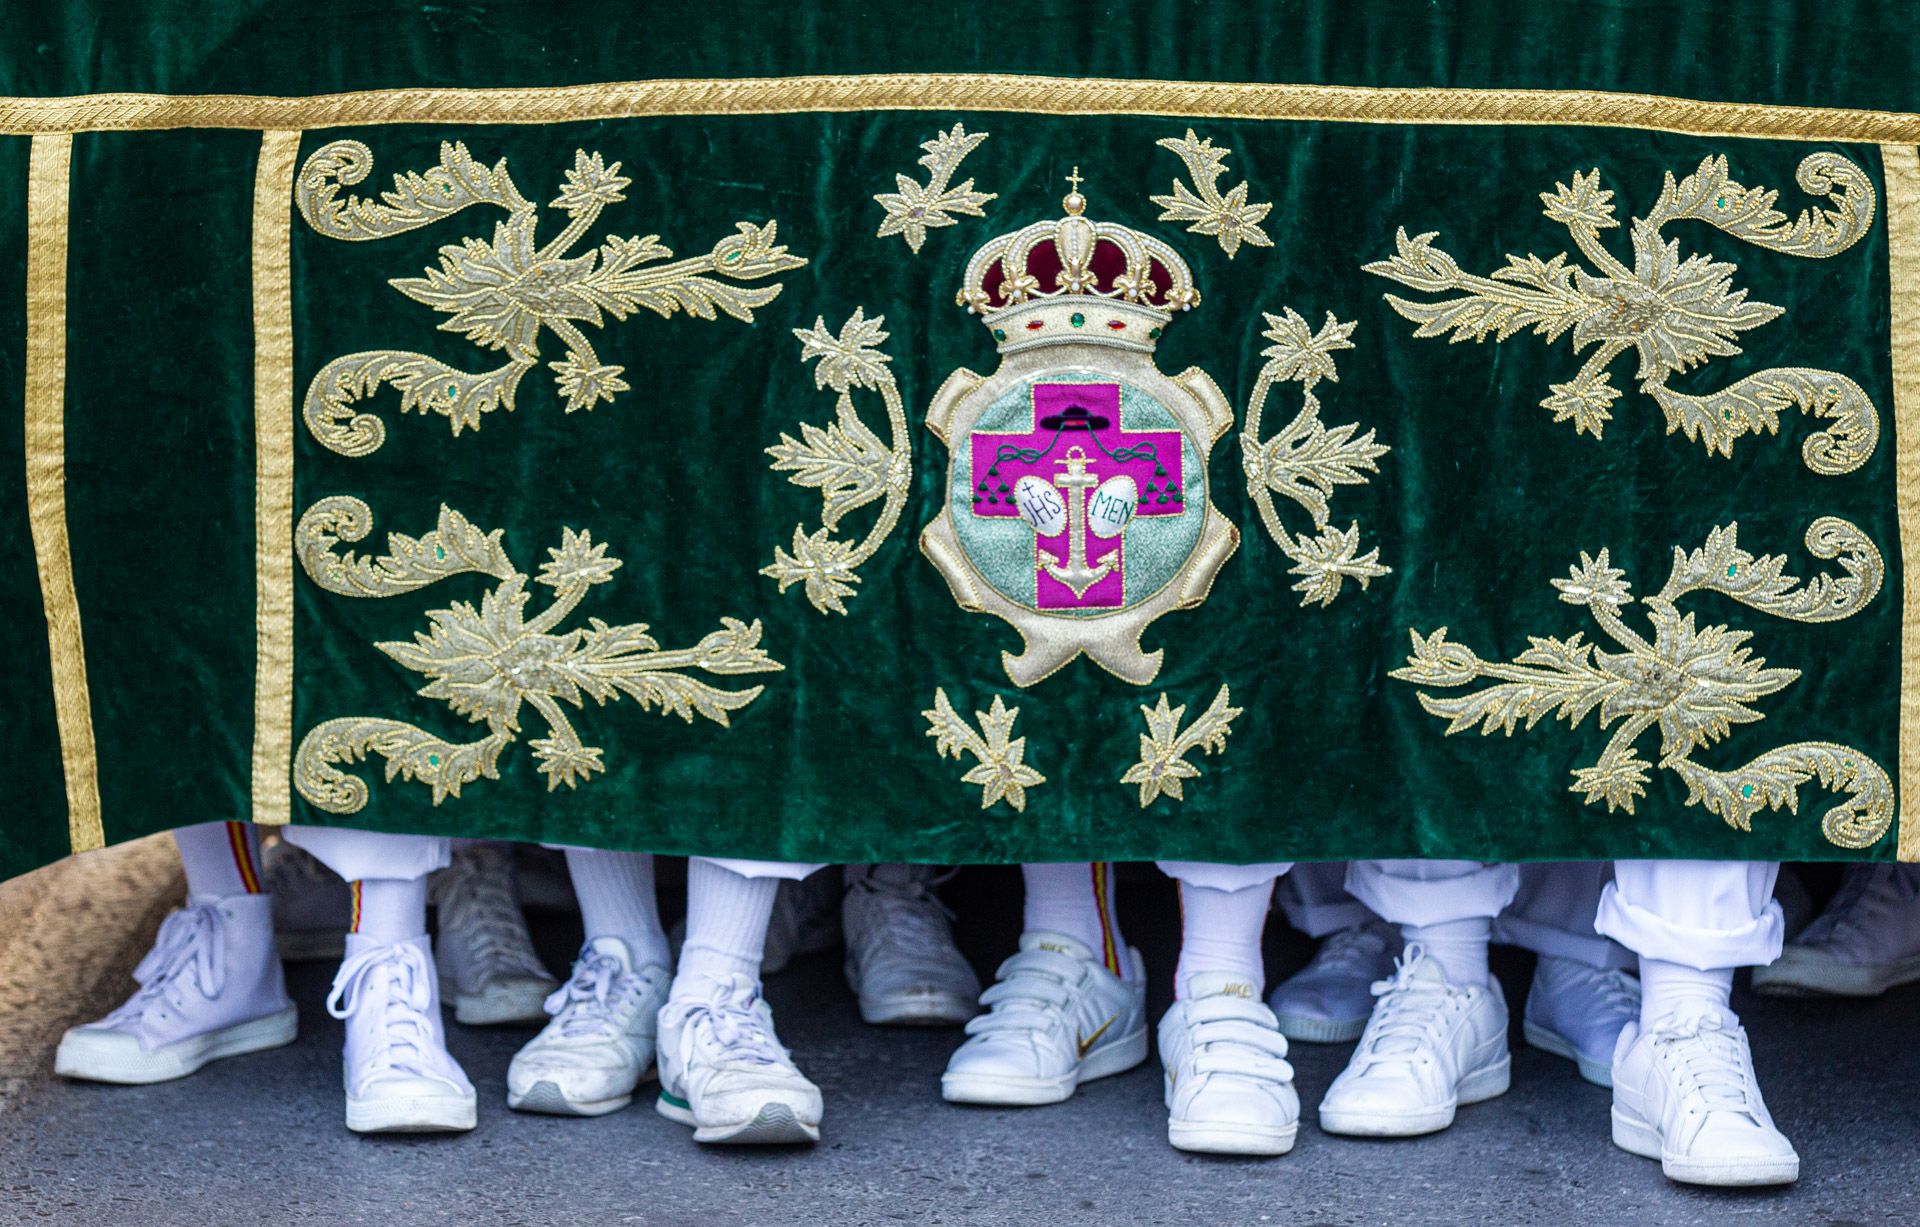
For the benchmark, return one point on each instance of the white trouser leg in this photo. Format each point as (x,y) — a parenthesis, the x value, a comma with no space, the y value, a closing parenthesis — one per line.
(1708,915)
(1432,892)
(1223,877)
(1553,912)
(792,871)
(357,855)
(1313,896)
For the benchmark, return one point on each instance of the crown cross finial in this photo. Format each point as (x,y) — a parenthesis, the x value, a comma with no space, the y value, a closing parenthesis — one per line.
(1074,203)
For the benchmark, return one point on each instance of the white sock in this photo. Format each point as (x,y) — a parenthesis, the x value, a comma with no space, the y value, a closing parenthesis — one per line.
(1667,987)
(727,916)
(1220,931)
(1459,946)
(1077,900)
(617,899)
(389,910)
(221,858)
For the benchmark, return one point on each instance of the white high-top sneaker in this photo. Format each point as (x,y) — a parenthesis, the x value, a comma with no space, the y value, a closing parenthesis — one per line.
(1229,1088)
(1056,1018)
(1429,1047)
(312,907)
(599,1045)
(1866,942)
(399,1075)
(211,987)
(1577,1012)
(486,955)
(724,1072)
(1328,1001)
(901,960)
(1685,1093)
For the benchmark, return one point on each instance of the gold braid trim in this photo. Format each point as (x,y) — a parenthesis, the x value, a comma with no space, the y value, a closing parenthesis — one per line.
(957,92)
(1903,241)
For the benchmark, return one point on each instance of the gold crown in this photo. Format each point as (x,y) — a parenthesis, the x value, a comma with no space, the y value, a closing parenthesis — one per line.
(1076,280)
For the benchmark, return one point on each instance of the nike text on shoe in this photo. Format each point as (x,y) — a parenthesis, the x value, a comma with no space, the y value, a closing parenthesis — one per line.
(901,961)
(1056,1018)
(1866,942)
(211,987)
(600,1043)
(1684,1093)
(399,1076)
(1229,1088)
(1328,1000)
(1429,1047)
(1577,1012)
(486,955)
(724,1072)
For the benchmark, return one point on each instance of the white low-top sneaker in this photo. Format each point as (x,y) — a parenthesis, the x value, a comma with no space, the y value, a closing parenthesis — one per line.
(400,1077)
(599,1045)
(312,906)
(1866,942)
(724,1072)
(487,960)
(1328,1000)
(1684,1093)
(1577,1012)
(1229,1088)
(211,987)
(1429,1047)
(901,960)
(1056,1018)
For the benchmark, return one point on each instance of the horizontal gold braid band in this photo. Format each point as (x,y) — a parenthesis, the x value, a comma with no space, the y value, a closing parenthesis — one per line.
(956,92)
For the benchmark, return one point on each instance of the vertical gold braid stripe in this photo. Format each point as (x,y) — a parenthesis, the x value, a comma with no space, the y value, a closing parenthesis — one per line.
(273,477)
(1903,241)
(48,164)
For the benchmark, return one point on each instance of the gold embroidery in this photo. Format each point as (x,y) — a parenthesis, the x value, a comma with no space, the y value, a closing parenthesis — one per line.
(1675,313)
(844,460)
(500,295)
(1902,168)
(1001,773)
(913,209)
(1306,460)
(1695,684)
(1164,746)
(1229,219)
(485,663)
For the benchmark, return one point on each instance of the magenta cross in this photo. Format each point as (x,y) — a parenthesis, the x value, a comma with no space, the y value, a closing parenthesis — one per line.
(1076,446)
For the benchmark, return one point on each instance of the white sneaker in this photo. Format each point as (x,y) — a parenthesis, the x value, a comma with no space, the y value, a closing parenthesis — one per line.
(901,960)
(1429,1047)
(487,958)
(1056,1018)
(1866,942)
(399,1076)
(312,906)
(1229,1088)
(599,1045)
(723,1070)
(1684,1093)
(211,987)
(1328,1001)
(1577,1012)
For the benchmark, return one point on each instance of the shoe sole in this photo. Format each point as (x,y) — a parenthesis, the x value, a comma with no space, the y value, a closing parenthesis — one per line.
(1635,1136)
(918,1010)
(1308,1029)
(1230,1139)
(548,1099)
(1487,1082)
(499,1005)
(775,1124)
(1600,1073)
(79,1057)
(413,1114)
(1818,979)
(1009,1091)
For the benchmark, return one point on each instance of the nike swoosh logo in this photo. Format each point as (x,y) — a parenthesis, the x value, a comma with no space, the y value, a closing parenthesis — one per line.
(1087,1042)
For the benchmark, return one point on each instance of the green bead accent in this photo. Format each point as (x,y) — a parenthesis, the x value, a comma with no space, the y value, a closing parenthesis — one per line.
(1077,320)
(1154,335)
(1733,570)
(453,390)
(1720,203)
(999,334)
(1746,790)
(440,552)
(732,257)
(433,760)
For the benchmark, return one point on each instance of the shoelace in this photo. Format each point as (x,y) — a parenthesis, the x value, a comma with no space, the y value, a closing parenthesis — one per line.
(394,981)
(1408,1008)
(1350,950)
(911,916)
(728,1012)
(1709,1048)
(477,907)
(191,940)
(585,1005)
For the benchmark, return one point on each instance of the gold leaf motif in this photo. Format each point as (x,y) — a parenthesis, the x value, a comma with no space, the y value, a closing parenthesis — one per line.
(844,460)
(1306,461)
(1163,767)
(1229,218)
(913,208)
(1001,773)
(501,294)
(1693,683)
(1673,312)
(488,662)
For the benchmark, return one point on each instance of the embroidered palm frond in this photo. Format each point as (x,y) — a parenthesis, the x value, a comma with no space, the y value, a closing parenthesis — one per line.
(1228,218)
(1000,770)
(1163,767)
(914,208)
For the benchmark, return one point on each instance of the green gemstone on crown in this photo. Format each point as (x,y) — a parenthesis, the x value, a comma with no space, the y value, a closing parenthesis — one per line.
(1077,320)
